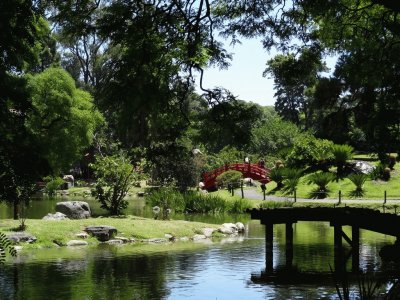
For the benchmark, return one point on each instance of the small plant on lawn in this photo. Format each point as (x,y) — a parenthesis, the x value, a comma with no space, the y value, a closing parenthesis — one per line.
(115,175)
(292,179)
(277,175)
(230,179)
(166,199)
(341,154)
(321,179)
(358,180)
(52,184)
(240,205)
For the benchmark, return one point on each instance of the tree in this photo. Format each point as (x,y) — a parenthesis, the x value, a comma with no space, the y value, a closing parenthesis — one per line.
(364,35)
(115,175)
(21,162)
(63,119)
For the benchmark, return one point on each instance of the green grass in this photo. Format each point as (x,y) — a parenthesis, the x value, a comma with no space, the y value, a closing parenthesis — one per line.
(130,227)
(373,189)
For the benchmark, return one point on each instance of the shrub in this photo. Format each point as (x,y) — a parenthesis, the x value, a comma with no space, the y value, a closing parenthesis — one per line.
(341,154)
(277,175)
(309,151)
(358,180)
(52,184)
(231,177)
(381,171)
(292,178)
(240,206)
(386,174)
(321,179)
(115,176)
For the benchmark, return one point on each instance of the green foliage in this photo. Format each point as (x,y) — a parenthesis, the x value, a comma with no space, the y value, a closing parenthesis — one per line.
(277,175)
(187,202)
(115,175)
(321,179)
(227,155)
(230,177)
(52,184)
(358,180)
(381,171)
(240,206)
(63,117)
(5,245)
(273,135)
(392,160)
(341,154)
(309,151)
(291,180)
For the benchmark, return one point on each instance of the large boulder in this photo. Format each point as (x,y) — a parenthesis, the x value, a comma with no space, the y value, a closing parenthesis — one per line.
(102,232)
(74,209)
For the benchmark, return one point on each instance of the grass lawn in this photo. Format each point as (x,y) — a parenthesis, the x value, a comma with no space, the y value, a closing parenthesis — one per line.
(373,189)
(63,231)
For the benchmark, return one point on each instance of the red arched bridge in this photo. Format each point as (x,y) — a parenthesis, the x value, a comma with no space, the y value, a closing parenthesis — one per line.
(252,171)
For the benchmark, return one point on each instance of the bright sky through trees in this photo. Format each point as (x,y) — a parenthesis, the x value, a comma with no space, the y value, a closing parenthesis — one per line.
(244,77)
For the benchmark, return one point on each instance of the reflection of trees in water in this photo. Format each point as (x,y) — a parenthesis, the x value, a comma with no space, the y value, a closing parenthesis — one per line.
(139,277)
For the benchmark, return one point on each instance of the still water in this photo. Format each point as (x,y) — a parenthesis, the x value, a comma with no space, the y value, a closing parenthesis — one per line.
(224,269)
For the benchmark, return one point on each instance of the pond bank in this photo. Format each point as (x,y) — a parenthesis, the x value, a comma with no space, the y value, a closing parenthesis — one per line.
(130,229)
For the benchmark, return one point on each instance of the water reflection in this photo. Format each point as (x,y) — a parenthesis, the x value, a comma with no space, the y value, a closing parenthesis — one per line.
(229,269)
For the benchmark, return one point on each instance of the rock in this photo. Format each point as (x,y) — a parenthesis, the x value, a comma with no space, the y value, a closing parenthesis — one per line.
(240,227)
(198,237)
(208,231)
(170,237)
(82,235)
(74,209)
(228,228)
(123,239)
(22,237)
(18,248)
(363,167)
(55,217)
(73,243)
(114,242)
(102,232)
(184,239)
(156,241)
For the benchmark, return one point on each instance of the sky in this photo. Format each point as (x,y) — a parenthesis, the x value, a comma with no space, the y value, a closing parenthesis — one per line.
(244,77)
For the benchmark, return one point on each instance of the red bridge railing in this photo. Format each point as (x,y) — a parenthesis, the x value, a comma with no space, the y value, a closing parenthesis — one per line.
(253,171)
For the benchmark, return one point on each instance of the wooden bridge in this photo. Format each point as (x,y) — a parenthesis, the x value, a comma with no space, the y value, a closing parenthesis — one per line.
(357,218)
(252,171)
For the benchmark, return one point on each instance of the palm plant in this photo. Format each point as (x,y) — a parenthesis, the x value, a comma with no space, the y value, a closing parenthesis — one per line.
(6,246)
(321,179)
(292,178)
(277,175)
(341,154)
(358,180)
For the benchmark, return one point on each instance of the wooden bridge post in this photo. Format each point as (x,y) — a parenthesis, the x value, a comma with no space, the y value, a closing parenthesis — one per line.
(338,249)
(355,251)
(289,244)
(269,243)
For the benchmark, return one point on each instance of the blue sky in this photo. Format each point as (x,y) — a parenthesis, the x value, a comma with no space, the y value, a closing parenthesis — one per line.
(244,77)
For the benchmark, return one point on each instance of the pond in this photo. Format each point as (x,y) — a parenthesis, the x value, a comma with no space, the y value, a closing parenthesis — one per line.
(224,269)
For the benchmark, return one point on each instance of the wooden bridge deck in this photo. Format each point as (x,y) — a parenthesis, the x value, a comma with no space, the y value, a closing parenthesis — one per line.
(363,218)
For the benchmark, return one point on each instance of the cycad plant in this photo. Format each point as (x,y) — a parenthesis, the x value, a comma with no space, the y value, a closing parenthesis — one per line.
(358,180)
(6,246)
(291,179)
(341,154)
(277,175)
(321,179)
